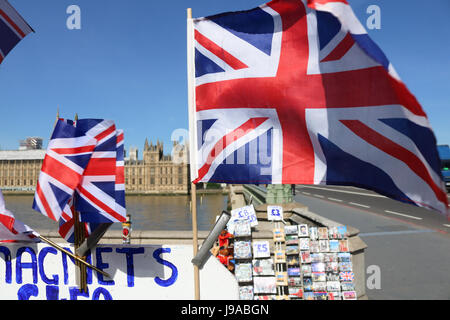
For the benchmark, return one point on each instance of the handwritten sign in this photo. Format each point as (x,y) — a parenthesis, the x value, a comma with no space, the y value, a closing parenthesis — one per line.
(261,249)
(245,213)
(38,271)
(274,213)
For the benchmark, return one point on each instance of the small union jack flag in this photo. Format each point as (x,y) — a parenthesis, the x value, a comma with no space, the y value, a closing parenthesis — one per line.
(11,229)
(346,276)
(68,153)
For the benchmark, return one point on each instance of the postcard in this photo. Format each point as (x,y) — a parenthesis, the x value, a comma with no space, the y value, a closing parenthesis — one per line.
(319,286)
(313,235)
(324,246)
(323,233)
(318,267)
(334,245)
(307,284)
(306,270)
(317,257)
(342,232)
(314,246)
(305,256)
(291,230)
(333,286)
(303,230)
(304,244)
(242,228)
(318,276)
(293,249)
(293,271)
(343,246)
(295,292)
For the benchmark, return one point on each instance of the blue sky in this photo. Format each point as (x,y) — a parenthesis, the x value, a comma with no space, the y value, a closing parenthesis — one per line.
(128,63)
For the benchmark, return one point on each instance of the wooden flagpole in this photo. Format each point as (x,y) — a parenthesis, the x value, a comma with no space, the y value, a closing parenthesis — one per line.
(79,236)
(191,105)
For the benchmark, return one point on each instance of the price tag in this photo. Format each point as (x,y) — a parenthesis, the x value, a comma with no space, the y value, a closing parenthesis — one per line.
(261,249)
(245,213)
(274,213)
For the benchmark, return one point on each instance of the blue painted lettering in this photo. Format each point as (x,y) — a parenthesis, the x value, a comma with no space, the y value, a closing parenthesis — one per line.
(26,291)
(42,255)
(21,265)
(174,276)
(129,252)
(101,291)
(8,271)
(101,265)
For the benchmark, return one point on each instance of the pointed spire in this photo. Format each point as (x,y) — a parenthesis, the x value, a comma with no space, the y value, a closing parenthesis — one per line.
(146,147)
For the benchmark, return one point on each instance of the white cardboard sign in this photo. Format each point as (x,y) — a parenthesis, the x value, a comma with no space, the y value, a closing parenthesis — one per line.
(39,271)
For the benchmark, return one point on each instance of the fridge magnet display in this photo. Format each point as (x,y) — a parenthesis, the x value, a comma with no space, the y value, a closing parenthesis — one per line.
(243,272)
(261,249)
(274,213)
(323,233)
(303,230)
(349,295)
(242,228)
(263,267)
(292,230)
(313,234)
(246,293)
(305,256)
(242,249)
(264,285)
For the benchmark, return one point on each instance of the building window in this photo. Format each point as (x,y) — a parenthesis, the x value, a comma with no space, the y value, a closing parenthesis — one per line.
(180,180)
(152,180)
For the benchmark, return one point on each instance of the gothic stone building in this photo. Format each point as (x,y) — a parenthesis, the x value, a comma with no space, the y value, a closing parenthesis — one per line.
(155,173)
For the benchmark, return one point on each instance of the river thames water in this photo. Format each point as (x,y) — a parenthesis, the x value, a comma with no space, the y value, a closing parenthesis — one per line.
(149,212)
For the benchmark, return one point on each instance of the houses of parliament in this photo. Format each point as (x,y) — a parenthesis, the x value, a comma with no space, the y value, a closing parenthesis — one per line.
(155,173)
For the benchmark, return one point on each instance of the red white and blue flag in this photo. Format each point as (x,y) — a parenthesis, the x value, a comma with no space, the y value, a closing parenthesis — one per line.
(68,153)
(296,92)
(99,199)
(11,229)
(13,28)
(346,276)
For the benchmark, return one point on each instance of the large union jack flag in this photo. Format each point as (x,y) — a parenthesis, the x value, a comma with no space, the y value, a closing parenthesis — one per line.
(296,92)
(13,28)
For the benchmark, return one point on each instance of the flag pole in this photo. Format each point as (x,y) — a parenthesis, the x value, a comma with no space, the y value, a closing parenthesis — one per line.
(79,236)
(193,186)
